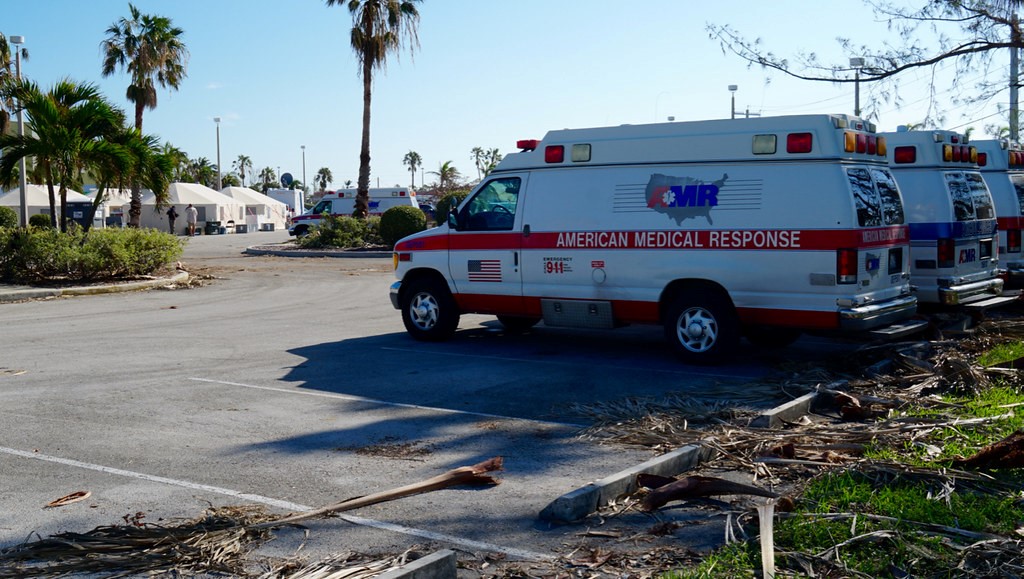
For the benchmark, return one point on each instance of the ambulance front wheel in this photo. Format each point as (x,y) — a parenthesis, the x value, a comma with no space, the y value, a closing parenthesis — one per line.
(429,311)
(702,327)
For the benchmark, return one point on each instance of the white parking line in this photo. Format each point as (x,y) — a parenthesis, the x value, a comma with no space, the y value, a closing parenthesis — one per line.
(687,372)
(384,402)
(285,505)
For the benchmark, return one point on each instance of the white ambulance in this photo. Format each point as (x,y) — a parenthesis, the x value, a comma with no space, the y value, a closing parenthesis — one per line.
(1002,166)
(953,241)
(343,203)
(713,229)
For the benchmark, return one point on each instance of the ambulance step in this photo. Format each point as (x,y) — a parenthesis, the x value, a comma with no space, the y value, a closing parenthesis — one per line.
(899,330)
(992,302)
(577,314)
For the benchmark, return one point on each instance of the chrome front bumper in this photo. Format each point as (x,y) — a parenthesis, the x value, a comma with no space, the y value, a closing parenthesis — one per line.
(395,288)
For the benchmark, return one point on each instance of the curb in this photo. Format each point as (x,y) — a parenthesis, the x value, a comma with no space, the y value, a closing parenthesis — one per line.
(439,565)
(38,293)
(578,504)
(315,253)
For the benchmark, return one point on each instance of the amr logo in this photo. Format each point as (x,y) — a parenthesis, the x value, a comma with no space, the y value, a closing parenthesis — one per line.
(683,198)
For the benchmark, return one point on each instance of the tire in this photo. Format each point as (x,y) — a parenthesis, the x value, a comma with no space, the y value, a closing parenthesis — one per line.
(429,311)
(771,336)
(301,231)
(701,326)
(517,324)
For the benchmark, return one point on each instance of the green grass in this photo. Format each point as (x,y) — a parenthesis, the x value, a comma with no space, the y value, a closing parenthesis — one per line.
(906,544)
(1002,353)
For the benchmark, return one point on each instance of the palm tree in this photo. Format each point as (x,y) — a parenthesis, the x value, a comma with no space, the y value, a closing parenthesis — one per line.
(70,126)
(179,162)
(242,164)
(146,162)
(267,176)
(477,154)
(202,171)
(150,49)
(447,176)
(378,29)
(348,183)
(413,161)
(491,159)
(323,178)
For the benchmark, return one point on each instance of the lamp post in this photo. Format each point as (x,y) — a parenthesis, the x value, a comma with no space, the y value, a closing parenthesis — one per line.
(216,120)
(17,41)
(857,63)
(303,174)
(732,89)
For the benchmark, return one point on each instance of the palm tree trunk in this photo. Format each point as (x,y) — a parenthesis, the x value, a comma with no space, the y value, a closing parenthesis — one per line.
(63,206)
(53,198)
(363,187)
(135,209)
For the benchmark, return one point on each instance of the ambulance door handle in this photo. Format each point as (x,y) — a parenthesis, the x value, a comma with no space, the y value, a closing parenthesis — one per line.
(526,230)
(515,258)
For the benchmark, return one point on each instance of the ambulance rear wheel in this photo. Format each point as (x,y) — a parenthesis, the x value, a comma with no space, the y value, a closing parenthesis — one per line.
(429,312)
(517,324)
(702,327)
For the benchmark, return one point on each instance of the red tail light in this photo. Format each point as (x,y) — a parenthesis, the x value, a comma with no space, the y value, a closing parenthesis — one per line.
(982,159)
(1013,240)
(846,266)
(799,143)
(946,250)
(905,154)
(554,154)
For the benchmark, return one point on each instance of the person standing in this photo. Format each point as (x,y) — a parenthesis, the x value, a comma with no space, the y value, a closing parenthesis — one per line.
(172,214)
(191,217)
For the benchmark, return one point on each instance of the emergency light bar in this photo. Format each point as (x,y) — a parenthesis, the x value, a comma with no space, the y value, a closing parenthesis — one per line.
(527,144)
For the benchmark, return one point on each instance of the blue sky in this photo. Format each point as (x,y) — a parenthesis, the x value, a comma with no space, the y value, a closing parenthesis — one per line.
(281,74)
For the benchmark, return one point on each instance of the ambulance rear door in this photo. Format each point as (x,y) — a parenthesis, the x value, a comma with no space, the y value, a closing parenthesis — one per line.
(485,247)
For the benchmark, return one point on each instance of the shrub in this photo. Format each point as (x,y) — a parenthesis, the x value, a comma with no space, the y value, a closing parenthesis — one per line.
(336,232)
(400,221)
(46,254)
(447,203)
(39,220)
(8,217)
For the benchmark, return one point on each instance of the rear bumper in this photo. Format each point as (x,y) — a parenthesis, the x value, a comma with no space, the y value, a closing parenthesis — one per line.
(1014,275)
(871,316)
(965,293)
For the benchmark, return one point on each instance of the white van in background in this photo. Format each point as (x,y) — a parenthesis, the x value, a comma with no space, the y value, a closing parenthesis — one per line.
(953,241)
(343,203)
(1002,166)
(714,230)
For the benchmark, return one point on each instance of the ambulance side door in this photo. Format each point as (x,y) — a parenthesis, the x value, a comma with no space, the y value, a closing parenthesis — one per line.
(485,248)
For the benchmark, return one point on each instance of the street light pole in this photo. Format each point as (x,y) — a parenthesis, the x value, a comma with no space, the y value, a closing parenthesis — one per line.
(303,174)
(17,41)
(857,63)
(219,183)
(732,89)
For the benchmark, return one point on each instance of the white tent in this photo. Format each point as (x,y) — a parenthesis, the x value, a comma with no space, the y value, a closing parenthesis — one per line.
(212,207)
(259,208)
(110,213)
(39,200)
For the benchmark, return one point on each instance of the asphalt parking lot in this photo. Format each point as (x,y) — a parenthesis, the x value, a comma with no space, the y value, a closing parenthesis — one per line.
(290,383)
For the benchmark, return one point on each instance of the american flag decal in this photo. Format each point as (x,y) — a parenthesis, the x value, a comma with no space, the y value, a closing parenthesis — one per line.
(484,270)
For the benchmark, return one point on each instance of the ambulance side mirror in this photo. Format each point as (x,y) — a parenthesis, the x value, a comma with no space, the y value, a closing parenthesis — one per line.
(453,220)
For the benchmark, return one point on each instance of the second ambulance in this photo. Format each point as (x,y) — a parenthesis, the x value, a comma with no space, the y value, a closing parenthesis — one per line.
(714,230)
